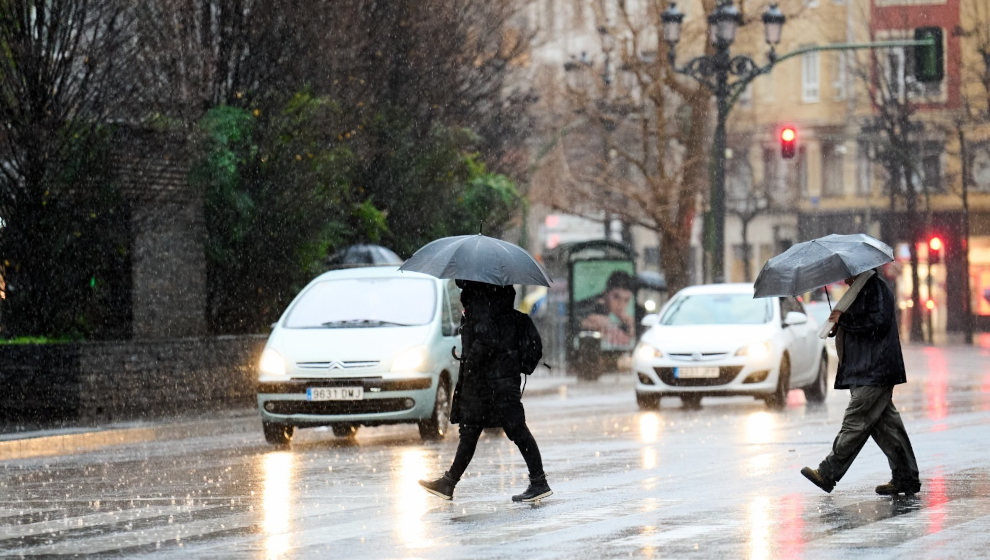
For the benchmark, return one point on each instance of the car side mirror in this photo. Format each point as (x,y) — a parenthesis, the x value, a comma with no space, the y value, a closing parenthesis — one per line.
(649,320)
(795,318)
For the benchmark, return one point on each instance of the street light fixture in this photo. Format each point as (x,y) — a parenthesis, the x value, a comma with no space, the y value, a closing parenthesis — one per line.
(713,72)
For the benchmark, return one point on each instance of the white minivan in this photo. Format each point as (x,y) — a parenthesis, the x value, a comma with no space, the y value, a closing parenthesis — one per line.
(362,347)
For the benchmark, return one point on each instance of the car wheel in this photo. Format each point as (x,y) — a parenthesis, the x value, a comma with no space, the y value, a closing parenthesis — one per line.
(648,401)
(778,399)
(815,393)
(692,402)
(277,434)
(344,430)
(435,428)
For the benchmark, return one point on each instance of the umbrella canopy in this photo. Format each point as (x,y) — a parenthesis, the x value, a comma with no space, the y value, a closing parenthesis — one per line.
(819,262)
(363,254)
(479,258)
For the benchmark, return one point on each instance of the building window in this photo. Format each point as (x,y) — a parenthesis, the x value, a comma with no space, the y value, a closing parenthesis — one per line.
(802,169)
(809,77)
(899,76)
(864,169)
(839,84)
(979,167)
(832,163)
(929,167)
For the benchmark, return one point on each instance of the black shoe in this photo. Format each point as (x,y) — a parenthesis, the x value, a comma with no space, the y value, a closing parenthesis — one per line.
(442,487)
(817,479)
(893,489)
(538,489)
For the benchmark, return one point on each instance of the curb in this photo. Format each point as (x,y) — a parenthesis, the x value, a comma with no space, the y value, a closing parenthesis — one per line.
(66,441)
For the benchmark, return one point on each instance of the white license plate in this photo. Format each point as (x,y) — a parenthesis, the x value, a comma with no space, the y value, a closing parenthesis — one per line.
(696,373)
(334,393)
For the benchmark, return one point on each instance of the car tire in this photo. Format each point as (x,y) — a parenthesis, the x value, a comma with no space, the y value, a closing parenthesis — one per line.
(778,399)
(691,402)
(344,430)
(648,401)
(277,434)
(816,392)
(435,428)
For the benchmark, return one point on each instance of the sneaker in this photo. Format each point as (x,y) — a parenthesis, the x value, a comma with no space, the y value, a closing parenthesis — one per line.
(537,490)
(442,487)
(893,489)
(817,479)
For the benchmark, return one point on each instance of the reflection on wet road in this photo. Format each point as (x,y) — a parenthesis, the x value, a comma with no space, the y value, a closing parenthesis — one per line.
(719,482)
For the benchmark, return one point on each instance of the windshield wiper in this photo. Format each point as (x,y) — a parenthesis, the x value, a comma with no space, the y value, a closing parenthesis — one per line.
(362,323)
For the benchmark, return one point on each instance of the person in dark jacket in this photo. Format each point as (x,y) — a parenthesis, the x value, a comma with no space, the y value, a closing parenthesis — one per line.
(487,393)
(870,364)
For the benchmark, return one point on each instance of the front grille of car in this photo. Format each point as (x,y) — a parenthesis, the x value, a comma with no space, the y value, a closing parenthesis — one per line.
(368,406)
(370,384)
(352,364)
(725,375)
(698,357)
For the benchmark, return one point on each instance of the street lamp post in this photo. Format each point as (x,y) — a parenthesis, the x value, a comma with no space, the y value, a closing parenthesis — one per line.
(713,71)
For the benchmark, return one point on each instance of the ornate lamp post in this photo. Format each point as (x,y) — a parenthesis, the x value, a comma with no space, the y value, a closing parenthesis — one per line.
(713,71)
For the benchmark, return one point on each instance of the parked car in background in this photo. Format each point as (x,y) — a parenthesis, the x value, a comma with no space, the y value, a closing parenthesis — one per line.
(362,347)
(718,340)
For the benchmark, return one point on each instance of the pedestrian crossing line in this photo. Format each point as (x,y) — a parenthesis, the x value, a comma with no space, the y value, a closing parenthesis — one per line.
(146,538)
(78,528)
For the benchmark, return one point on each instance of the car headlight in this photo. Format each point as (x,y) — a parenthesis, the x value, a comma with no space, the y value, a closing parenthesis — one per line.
(271,364)
(411,359)
(646,352)
(757,350)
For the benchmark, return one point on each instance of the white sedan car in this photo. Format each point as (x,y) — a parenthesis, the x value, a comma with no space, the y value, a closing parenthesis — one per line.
(717,340)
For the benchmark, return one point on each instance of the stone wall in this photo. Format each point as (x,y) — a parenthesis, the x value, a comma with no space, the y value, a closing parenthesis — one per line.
(99,382)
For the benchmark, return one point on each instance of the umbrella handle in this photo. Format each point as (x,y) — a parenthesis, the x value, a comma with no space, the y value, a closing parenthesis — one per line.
(453,352)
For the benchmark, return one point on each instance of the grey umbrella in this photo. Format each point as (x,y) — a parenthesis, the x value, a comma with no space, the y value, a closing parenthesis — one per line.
(820,262)
(479,258)
(363,254)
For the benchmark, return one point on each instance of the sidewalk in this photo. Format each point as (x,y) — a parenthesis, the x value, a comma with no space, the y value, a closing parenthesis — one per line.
(73,439)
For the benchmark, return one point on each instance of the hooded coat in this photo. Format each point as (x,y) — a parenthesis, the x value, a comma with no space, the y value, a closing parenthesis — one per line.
(867,341)
(489,368)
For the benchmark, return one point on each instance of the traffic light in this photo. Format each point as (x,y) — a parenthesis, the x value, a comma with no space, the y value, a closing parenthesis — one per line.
(788,137)
(935,250)
(929,59)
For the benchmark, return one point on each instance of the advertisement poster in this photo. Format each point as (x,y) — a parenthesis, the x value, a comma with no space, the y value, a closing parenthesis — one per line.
(604,296)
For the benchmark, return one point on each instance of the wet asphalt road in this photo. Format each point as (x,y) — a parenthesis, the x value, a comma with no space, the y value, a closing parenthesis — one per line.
(720,482)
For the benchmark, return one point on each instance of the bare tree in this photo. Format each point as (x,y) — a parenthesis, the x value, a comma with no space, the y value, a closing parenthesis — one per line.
(634,139)
(62,70)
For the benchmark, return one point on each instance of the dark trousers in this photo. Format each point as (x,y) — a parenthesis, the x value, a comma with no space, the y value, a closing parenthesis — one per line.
(871,414)
(508,401)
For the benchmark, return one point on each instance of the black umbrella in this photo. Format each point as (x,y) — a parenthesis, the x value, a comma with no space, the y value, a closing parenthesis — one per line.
(820,262)
(363,254)
(479,258)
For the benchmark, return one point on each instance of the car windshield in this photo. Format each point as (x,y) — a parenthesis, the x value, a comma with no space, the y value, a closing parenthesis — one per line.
(717,309)
(364,302)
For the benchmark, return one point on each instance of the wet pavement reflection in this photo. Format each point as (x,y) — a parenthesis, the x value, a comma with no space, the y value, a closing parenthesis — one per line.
(721,481)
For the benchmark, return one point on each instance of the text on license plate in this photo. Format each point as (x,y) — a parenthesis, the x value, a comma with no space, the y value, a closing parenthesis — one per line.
(696,373)
(334,393)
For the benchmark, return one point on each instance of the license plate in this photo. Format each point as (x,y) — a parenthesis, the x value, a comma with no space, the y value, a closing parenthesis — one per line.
(334,393)
(696,373)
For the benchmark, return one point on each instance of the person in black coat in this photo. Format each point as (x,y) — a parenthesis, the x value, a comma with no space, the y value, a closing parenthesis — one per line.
(870,364)
(487,393)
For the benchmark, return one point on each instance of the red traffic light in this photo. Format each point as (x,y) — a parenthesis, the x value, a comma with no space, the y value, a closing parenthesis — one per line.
(788,137)
(934,250)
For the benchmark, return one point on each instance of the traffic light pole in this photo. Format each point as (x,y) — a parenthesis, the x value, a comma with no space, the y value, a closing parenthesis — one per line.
(713,72)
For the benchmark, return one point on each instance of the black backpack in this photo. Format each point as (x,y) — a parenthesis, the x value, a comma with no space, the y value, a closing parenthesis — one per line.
(529,343)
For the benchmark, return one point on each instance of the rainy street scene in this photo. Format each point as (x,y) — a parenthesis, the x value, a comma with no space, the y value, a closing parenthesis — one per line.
(719,481)
(493,279)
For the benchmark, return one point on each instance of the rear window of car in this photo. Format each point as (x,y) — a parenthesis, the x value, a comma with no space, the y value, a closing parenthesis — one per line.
(717,309)
(365,302)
